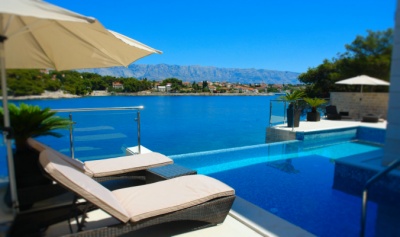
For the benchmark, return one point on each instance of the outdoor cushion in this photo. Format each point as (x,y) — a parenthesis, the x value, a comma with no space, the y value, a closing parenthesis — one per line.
(170,195)
(138,202)
(37,145)
(41,147)
(124,164)
(111,166)
(81,184)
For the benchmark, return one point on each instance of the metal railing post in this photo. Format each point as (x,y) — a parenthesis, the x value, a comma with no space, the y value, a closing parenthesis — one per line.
(294,108)
(371,181)
(71,137)
(270,112)
(138,130)
(284,113)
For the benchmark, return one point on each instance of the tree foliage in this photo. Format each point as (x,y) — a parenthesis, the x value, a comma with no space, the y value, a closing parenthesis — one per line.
(366,55)
(26,82)
(35,82)
(293,96)
(176,84)
(314,103)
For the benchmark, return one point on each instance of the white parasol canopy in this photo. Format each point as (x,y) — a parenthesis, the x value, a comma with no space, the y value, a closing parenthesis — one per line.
(363,80)
(64,45)
(36,34)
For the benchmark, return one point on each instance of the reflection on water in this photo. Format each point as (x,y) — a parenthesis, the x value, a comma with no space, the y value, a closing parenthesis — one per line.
(285,166)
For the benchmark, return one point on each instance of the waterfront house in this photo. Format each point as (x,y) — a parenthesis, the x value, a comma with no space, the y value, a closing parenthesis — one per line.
(165,88)
(117,85)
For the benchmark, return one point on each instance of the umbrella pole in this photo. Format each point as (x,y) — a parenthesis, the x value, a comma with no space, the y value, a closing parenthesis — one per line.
(360,108)
(7,129)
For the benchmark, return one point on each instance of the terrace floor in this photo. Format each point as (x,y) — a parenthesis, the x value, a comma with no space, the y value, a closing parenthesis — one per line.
(325,124)
(244,219)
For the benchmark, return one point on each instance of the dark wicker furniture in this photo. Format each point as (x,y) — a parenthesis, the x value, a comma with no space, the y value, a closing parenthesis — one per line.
(370,118)
(211,212)
(167,172)
(331,113)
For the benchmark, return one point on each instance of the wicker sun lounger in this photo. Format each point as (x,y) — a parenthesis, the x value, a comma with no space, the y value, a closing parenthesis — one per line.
(192,197)
(115,173)
(331,113)
(370,118)
(112,168)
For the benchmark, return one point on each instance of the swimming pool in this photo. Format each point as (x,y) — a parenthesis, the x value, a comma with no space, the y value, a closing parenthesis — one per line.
(293,181)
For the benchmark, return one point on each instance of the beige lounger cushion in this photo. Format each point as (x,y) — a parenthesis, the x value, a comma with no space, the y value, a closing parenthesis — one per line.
(37,145)
(171,195)
(41,147)
(81,184)
(125,164)
(111,166)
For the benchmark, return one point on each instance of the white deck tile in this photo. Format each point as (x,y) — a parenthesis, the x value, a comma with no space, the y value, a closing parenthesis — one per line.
(324,124)
(230,227)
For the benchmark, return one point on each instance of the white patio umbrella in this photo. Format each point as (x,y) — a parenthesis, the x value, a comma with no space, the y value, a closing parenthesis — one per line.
(363,80)
(135,43)
(36,34)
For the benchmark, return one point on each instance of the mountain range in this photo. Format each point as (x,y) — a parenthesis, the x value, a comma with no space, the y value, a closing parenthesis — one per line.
(199,73)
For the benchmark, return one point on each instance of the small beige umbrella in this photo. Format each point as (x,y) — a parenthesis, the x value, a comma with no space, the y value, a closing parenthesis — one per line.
(36,34)
(363,80)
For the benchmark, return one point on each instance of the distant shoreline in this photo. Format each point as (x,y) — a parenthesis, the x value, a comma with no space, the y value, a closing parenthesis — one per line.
(62,95)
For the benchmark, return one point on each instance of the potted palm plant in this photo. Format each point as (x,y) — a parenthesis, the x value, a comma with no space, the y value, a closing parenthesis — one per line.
(30,121)
(314,115)
(293,111)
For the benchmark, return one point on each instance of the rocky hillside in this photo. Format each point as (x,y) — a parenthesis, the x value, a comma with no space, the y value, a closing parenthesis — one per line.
(200,73)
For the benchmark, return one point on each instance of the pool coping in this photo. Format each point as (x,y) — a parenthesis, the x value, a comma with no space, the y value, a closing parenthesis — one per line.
(251,216)
(373,164)
(324,124)
(264,222)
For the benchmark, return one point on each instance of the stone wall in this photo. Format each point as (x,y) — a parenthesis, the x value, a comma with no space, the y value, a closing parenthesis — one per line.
(360,104)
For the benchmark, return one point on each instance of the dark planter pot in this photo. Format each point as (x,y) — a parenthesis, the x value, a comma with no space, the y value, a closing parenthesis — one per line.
(32,185)
(27,171)
(313,116)
(291,119)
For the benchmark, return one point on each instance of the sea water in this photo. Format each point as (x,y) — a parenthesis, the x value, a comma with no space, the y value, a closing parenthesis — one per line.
(169,124)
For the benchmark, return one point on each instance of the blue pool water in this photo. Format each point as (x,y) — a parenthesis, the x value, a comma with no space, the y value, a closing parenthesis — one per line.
(222,160)
(293,182)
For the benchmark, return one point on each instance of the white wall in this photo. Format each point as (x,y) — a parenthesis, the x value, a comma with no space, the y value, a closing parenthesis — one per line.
(392,143)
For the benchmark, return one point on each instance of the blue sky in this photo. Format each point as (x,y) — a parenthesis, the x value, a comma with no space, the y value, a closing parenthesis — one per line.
(283,35)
